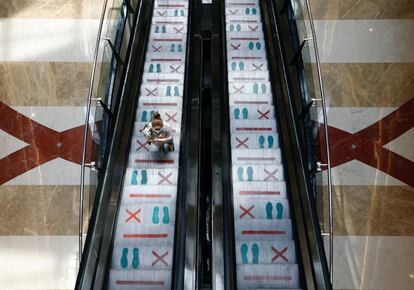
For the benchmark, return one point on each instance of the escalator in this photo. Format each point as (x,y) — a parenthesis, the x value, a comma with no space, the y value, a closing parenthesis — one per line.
(264,245)
(144,237)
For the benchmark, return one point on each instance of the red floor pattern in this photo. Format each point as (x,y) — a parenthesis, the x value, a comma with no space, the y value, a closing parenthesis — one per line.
(367,145)
(45,144)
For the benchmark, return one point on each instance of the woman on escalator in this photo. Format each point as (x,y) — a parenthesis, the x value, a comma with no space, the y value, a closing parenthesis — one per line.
(159,133)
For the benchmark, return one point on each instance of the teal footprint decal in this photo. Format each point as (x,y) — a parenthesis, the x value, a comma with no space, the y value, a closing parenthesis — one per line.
(176,92)
(238,27)
(151,115)
(251,45)
(271,141)
(158,68)
(144,179)
(180,48)
(168,93)
(255,88)
(172,47)
(151,68)
(245,114)
(135,260)
(166,217)
(279,209)
(269,209)
(247,11)
(231,27)
(258,45)
(255,250)
(134,178)
(254,11)
(155,218)
(241,65)
(144,116)
(233,65)
(124,258)
(240,173)
(264,89)
(243,251)
(237,113)
(249,173)
(261,141)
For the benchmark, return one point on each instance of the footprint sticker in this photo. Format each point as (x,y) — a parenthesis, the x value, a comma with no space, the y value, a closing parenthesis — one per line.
(135,260)
(134,178)
(233,65)
(269,209)
(258,45)
(271,141)
(151,68)
(264,89)
(158,67)
(240,173)
(166,217)
(144,116)
(255,88)
(155,218)
(255,250)
(241,65)
(251,45)
(124,258)
(231,27)
(249,173)
(279,210)
(144,179)
(237,113)
(168,93)
(243,251)
(261,141)
(245,114)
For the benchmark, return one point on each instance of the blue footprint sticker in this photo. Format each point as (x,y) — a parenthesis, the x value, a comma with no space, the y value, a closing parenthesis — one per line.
(158,68)
(151,68)
(176,92)
(249,173)
(264,89)
(279,209)
(124,258)
(144,116)
(271,141)
(243,251)
(255,250)
(144,179)
(240,173)
(245,114)
(255,88)
(251,45)
(135,260)
(166,217)
(241,65)
(237,113)
(134,178)
(155,218)
(233,65)
(261,141)
(269,209)
(168,93)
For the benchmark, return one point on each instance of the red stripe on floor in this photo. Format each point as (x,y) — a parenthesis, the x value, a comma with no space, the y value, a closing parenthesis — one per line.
(167,161)
(139,282)
(253,129)
(267,278)
(262,232)
(150,195)
(259,192)
(145,236)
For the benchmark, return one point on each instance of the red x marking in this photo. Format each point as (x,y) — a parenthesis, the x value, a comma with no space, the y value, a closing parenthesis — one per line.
(151,92)
(257,67)
(133,215)
(246,211)
(235,47)
(171,117)
(45,144)
(156,49)
(242,142)
(367,145)
(263,115)
(175,69)
(165,178)
(253,29)
(270,175)
(179,29)
(238,90)
(233,12)
(159,258)
(142,145)
(279,254)
(161,13)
